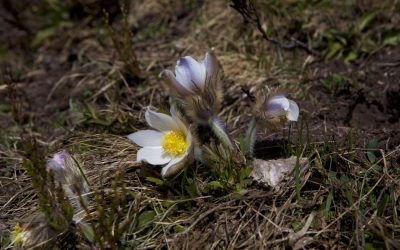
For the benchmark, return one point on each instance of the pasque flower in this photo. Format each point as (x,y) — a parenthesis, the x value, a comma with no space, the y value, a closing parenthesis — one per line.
(67,173)
(275,109)
(196,84)
(170,144)
(193,77)
(278,106)
(271,112)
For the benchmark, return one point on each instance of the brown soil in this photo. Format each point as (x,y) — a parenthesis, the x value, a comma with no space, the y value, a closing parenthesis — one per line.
(365,98)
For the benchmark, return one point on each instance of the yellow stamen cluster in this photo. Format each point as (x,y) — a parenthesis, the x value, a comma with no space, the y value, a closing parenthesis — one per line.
(174,143)
(19,235)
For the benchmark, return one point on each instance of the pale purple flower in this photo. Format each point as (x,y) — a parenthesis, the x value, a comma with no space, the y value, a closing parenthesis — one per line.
(192,76)
(279,105)
(68,173)
(58,161)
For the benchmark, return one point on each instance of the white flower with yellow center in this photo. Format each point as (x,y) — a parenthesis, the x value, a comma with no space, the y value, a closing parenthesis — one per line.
(171,143)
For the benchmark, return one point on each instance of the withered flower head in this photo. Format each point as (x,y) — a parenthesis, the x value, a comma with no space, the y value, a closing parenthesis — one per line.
(35,234)
(20,236)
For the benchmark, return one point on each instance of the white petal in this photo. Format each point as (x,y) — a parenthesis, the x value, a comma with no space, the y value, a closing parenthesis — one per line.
(153,155)
(278,104)
(184,79)
(190,73)
(189,139)
(211,65)
(170,167)
(159,121)
(178,86)
(293,112)
(147,138)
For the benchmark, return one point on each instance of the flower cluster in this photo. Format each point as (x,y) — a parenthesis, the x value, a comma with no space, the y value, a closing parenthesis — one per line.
(195,86)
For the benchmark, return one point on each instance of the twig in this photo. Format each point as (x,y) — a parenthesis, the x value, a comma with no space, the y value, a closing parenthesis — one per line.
(249,13)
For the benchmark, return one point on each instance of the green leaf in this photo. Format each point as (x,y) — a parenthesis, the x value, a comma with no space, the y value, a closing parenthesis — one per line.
(3,52)
(154,180)
(42,35)
(168,203)
(297,226)
(87,231)
(372,146)
(382,204)
(351,56)
(328,203)
(333,50)
(366,20)
(392,38)
(369,246)
(371,157)
(371,199)
(145,217)
(245,172)
(179,228)
(191,188)
(6,108)
(48,32)
(215,185)
(239,193)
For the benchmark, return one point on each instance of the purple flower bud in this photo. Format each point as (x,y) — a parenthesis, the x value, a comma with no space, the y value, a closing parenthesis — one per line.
(279,105)
(58,161)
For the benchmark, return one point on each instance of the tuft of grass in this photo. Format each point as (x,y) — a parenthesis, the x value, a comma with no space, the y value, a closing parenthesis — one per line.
(124,47)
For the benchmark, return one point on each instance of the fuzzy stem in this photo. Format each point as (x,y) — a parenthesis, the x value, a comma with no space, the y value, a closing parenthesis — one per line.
(219,130)
(198,154)
(250,138)
(87,230)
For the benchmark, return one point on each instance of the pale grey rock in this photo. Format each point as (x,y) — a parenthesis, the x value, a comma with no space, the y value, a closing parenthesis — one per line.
(274,172)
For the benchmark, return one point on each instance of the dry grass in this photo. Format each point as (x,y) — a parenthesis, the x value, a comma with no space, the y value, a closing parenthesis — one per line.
(346,199)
